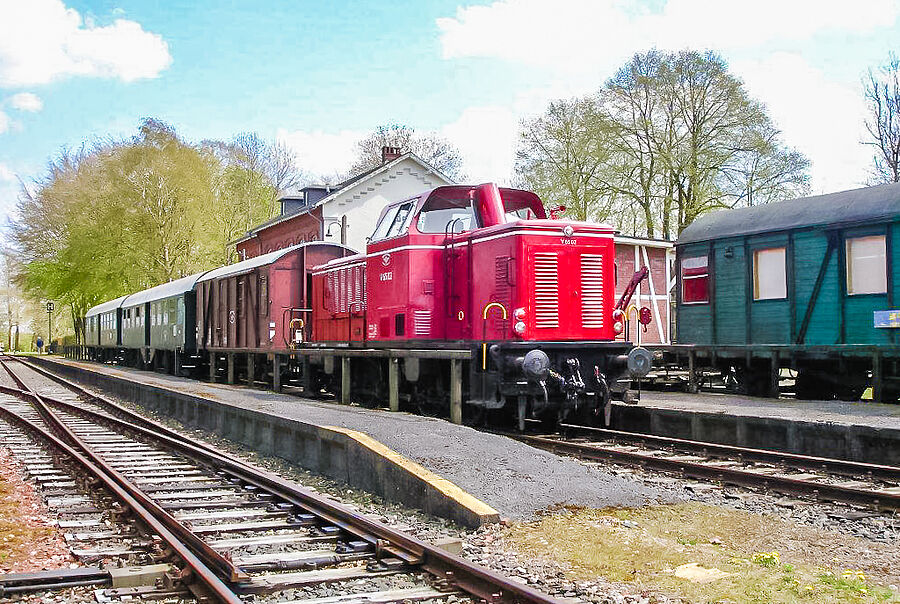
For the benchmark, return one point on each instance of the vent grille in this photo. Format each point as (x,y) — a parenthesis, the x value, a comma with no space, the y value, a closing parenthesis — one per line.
(591,290)
(546,290)
(422,322)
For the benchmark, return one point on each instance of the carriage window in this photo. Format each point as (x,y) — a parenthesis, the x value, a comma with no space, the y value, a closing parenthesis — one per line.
(695,280)
(866,265)
(769,274)
(443,215)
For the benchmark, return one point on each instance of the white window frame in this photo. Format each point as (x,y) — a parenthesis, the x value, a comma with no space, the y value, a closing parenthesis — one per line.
(757,297)
(848,259)
(684,278)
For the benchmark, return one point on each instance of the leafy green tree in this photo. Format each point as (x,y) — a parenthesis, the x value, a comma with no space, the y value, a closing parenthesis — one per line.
(562,154)
(670,137)
(127,215)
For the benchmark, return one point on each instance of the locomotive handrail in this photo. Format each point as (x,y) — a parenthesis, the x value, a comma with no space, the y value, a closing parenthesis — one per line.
(449,234)
(632,307)
(484,315)
(491,305)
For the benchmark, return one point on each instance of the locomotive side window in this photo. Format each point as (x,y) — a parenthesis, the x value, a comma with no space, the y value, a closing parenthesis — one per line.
(866,265)
(695,280)
(769,274)
(441,215)
(395,221)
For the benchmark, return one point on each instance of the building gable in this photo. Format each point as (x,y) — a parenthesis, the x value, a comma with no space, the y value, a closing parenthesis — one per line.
(348,214)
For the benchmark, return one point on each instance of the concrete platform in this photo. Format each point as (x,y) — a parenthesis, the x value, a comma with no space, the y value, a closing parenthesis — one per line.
(867,432)
(442,468)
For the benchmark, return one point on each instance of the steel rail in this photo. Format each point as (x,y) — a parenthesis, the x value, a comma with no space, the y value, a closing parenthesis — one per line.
(453,570)
(795,460)
(197,567)
(698,469)
(211,559)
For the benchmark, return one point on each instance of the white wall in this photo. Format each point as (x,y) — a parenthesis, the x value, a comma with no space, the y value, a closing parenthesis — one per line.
(362,203)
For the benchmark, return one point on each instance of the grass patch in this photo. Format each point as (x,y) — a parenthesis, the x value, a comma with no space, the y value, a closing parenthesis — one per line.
(767,559)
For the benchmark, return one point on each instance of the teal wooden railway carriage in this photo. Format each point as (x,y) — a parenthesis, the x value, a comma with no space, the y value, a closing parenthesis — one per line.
(809,284)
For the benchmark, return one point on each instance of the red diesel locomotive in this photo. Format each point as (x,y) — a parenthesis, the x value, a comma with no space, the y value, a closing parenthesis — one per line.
(480,269)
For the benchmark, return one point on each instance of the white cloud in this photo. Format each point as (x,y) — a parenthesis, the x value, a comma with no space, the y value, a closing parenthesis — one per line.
(486,138)
(26,101)
(582,42)
(42,41)
(823,119)
(321,153)
(580,35)
(6,174)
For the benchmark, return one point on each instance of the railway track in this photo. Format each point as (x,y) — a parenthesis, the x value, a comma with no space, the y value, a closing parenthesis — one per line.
(819,478)
(230,529)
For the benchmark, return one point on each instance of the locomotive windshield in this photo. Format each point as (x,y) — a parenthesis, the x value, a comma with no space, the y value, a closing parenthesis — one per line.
(447,214)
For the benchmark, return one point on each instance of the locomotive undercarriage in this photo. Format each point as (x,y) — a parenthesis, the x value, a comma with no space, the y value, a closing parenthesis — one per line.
(553,382)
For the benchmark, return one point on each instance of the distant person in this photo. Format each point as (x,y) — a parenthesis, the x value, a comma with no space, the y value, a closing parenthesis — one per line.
(40,344)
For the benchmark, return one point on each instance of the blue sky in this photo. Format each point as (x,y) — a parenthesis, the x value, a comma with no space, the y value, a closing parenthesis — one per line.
(319,75)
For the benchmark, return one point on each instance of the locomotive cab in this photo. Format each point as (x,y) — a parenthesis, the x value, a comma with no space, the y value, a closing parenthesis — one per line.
(484,268)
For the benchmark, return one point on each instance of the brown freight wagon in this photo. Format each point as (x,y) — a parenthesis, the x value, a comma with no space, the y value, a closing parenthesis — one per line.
(257,305)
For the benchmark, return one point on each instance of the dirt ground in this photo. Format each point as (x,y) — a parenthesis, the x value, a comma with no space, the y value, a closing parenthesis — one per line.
(705,553)
(28,540)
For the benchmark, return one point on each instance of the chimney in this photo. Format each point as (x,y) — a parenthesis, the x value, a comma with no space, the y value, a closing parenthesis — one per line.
(390,154)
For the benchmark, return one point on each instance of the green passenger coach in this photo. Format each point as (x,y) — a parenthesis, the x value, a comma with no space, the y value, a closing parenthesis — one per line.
(808,284)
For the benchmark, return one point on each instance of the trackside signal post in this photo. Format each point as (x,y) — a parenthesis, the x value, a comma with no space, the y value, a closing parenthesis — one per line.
(49,323)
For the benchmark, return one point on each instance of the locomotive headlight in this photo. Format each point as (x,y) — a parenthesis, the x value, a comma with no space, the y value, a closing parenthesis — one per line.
(619,320)
(519,314)
(618,327)
(519,327)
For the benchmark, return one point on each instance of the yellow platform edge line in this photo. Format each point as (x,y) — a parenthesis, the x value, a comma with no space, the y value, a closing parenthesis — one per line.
(448,488)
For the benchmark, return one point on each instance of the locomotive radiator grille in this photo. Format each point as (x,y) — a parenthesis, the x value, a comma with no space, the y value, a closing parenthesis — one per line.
(546,290)
(591,291)
(422,322)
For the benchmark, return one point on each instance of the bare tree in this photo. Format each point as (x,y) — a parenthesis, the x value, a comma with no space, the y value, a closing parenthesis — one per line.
(882,91)
(431,147)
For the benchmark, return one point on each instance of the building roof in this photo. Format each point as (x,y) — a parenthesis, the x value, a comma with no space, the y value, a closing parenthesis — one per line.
(644,241)
(857,206)
(166,290)
(105,307)
(341,187)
